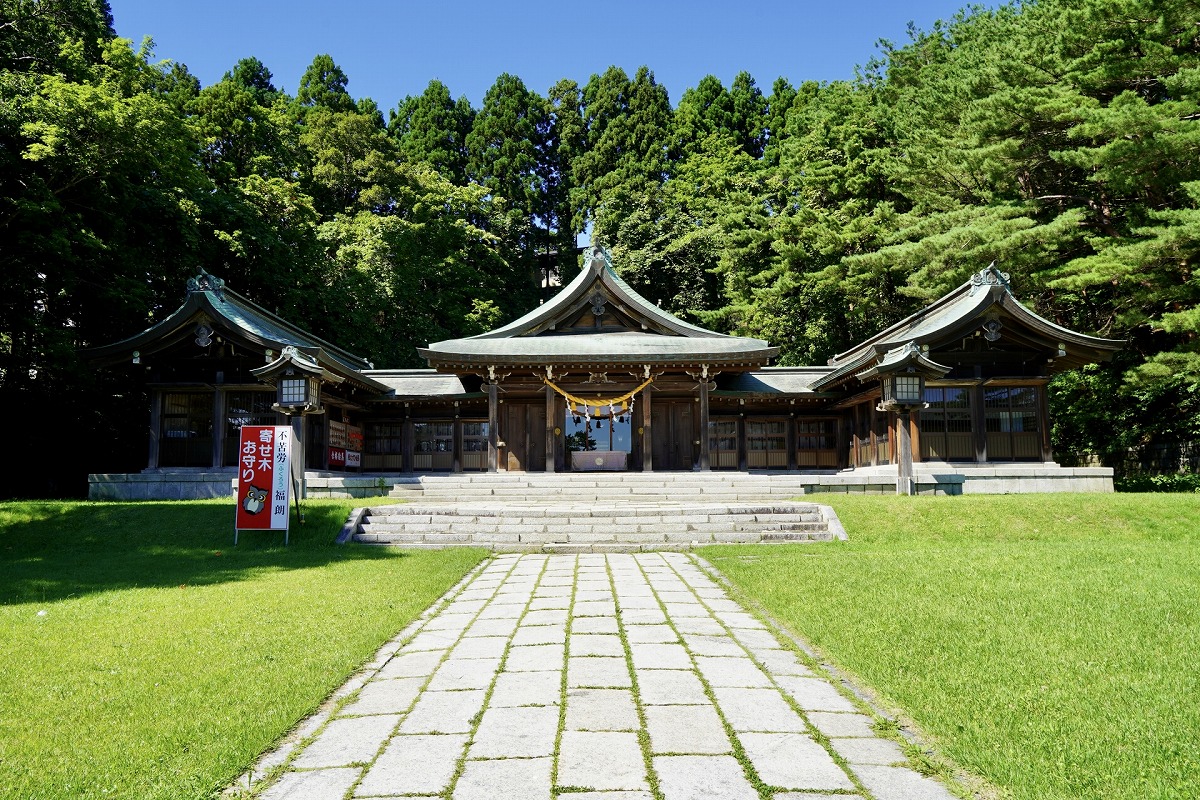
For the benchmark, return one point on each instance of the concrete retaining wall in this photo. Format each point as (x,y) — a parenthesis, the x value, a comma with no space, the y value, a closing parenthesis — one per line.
(931,479)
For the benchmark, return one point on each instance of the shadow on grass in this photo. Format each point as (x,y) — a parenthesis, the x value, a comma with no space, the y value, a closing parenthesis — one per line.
(55,550)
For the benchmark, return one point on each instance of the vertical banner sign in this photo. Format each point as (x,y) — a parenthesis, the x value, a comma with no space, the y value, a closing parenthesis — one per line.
(345,445)
(264,477)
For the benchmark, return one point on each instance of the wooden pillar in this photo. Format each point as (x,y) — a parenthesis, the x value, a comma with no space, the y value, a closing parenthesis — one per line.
(1044,423)
(647,441)
(978,423)
(456,458)
(903,450)
(156,401)
(792,441)
(407,445)
(218,428)
(705,454)
(552,422)
(298,455)
(914,434)
(741,442)
(493,428)
(871,423)
(845,457)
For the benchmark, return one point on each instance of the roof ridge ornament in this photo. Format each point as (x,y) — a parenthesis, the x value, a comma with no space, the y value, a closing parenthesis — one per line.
(206,283)
(600,258)
(989,276)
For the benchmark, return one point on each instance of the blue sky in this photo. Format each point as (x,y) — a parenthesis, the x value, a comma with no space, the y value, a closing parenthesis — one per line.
(393,49)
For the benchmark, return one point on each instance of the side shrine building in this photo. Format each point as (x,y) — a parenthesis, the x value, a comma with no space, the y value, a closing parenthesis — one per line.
(598,378)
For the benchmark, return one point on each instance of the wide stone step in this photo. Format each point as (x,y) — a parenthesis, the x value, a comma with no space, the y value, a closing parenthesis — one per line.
(633,524)
(542,540)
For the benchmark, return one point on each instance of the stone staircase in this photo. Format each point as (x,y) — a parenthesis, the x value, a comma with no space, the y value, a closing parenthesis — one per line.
(595,512)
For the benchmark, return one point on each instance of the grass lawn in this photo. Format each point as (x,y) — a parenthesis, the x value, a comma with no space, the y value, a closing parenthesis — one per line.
(1049,643)
(144,656)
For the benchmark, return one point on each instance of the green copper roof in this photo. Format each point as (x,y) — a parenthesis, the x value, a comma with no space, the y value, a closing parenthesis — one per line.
(659,337)
(228,313)
(985,299)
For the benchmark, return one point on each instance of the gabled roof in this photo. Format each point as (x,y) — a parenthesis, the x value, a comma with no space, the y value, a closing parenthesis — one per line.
(773,382)
(599,318)
(984,302)
(225,312)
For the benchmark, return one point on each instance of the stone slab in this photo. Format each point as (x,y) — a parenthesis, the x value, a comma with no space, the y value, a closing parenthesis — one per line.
(596,644)
(735,672)
(836,725)
(650,655)
(713,645)
(793,761)
(385,697)
(759,710)
(443,712)
(900,783)
(601,760)
(527,689)
(316,784)
(505,779)
(409,664)
(651,634)
(460,673)
(662,687)
(782,662)
(814,694)
(882,752)
(539,634)
(594,625)
(686,730)
(601,710)
(479,647)
(598,672)
(530,658)
(521,732)
(413,765)
(702,778)
(345,741)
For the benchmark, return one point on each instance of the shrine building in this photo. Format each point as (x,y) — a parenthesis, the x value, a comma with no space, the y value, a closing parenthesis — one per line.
(599,378)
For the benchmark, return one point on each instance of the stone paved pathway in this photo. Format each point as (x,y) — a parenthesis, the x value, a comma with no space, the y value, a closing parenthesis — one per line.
(597,677)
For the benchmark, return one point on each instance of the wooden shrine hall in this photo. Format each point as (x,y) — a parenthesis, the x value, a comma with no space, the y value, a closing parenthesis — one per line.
(599,378)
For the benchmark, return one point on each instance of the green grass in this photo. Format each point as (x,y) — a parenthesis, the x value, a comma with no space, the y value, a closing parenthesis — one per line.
(1048,643)
(166,659)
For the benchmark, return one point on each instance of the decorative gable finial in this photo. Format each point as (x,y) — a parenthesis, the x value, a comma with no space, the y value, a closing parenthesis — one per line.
(206,283)
(600,258)
(989,276)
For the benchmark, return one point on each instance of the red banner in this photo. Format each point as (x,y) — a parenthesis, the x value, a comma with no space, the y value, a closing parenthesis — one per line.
(264,477)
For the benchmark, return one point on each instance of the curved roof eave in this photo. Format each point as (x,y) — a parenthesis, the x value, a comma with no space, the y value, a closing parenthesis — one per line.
(235,315)
(599,270)
(967,302)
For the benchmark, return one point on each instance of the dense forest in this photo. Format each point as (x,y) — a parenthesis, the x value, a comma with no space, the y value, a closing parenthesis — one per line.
(1060,139)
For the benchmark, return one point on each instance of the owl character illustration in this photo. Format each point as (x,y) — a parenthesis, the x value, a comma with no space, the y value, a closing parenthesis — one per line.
(255,500)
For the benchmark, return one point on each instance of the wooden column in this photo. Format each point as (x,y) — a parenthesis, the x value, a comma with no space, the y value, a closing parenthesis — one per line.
(218,428)
(552,421)
(156,401)
(1044,424)
(903,451)
(792,441)
(705,459)
(741,442)
(978,423)
(493,428)
(407,445)
(647,442)
(456,458)
(298,455)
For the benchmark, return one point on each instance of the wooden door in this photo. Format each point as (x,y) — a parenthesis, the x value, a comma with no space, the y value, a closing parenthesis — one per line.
(524,436)
(672,426)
